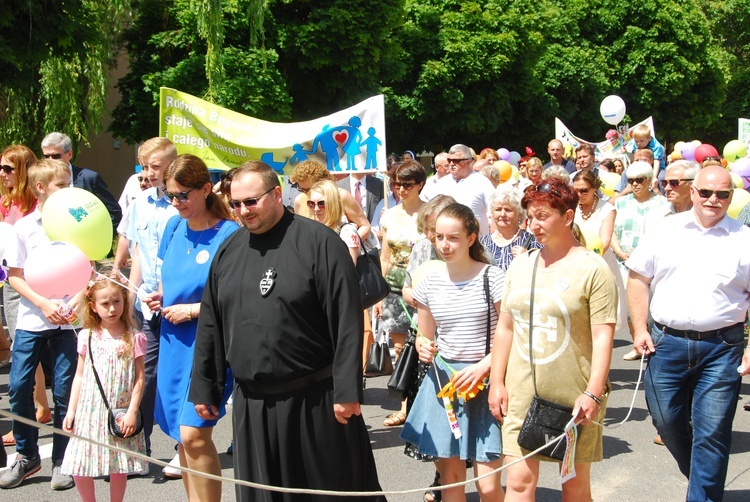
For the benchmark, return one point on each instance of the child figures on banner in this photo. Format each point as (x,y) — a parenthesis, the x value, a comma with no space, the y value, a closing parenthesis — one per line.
(117,350)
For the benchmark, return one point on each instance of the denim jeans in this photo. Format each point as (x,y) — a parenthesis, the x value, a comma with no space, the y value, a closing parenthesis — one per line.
(27,348)
(692,389)
(152,330)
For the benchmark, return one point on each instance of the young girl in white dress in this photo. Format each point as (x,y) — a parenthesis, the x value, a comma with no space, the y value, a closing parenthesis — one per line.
(118,350)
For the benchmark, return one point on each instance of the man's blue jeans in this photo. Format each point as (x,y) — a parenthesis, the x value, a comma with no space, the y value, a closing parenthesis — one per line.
(27,348)
(692,389)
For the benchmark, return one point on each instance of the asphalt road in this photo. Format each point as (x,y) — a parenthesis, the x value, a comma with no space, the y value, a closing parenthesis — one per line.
(634,467)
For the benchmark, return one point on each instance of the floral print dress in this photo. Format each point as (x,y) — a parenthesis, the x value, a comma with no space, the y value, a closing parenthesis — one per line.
(116,369)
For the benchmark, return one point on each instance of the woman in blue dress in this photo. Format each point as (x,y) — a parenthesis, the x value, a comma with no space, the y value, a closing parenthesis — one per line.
(190,242)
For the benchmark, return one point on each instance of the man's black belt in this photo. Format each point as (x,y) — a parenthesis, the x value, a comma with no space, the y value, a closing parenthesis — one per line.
(695,335)
(288,386)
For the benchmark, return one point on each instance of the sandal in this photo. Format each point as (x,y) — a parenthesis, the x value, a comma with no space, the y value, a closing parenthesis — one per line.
(434,495)
(395,419)
(45,419)
(9,439)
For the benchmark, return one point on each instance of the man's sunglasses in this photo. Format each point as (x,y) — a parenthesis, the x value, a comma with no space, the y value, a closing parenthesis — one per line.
(704,193)
(180,196)
(251,202)
(56,156)
(673,183)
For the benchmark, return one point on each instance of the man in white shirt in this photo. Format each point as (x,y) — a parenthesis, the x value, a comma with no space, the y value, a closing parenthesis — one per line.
(676,184)
(442,169)
(468,187)
(697,268)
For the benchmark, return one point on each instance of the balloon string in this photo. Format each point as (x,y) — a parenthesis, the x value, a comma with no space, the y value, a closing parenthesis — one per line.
(132,287)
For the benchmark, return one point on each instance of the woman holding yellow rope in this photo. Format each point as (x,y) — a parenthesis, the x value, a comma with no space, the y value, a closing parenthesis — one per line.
(450,418)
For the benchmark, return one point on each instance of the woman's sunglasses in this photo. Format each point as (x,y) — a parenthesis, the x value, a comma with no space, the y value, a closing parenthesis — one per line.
(180,196)
(321,204)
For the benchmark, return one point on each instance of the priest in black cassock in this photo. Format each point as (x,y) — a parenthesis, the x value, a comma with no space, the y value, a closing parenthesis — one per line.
(282,309)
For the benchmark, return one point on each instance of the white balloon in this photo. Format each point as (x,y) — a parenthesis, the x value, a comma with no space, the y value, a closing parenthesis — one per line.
(6,234)
(612,109)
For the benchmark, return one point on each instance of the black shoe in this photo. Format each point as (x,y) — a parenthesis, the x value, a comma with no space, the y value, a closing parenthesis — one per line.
(747,406)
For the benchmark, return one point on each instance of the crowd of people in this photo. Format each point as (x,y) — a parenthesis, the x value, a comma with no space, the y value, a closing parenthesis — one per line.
(514,283)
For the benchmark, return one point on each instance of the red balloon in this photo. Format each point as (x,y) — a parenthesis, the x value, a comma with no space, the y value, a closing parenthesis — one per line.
(705,150)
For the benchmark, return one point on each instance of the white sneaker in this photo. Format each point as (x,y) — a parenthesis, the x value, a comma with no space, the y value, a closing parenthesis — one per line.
(631,356)
(171,471)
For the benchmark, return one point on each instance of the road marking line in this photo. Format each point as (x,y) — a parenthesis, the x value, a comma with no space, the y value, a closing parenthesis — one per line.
(45,451)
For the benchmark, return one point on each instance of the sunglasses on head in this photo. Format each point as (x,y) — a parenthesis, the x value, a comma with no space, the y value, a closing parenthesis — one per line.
(704,193)
(7,169)
(672,183)
(321,204)
(56,156)
(639,180)
(253,201)
(546,188)
(180,196)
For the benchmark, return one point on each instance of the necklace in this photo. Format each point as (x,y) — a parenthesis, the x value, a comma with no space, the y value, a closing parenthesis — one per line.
(196,240)
(587,215)
(498,236)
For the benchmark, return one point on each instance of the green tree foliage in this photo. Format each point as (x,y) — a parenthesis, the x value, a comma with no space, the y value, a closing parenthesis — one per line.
(729,25)
(53,62)
(497,72)
(176,44)
(333,53)
(483,72)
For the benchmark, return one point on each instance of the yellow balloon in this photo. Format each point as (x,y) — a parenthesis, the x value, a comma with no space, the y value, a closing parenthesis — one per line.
(516,175)
(736,180)
(505,169)
(609,182)
(740,199)
(593,241)
(78,217)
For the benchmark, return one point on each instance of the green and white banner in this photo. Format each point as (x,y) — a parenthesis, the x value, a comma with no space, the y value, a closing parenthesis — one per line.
(348,140)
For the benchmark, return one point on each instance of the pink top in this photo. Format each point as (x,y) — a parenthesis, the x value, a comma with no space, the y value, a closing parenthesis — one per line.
(139,342)
(13,214)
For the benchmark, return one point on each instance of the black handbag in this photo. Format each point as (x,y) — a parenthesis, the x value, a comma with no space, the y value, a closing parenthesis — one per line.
(545,420)
(405,372)
(372,284)
(379,356)
(113,413)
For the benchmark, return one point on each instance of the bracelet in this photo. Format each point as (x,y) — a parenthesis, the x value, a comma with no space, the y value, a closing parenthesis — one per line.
(592,396)
(190,313)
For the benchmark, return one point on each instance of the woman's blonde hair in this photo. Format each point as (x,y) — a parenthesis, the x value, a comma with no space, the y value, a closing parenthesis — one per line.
(91,319)
(334,205)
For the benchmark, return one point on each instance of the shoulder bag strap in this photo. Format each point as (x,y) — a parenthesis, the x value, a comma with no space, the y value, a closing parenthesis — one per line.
(96,376)
(489,308)
(531,320)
